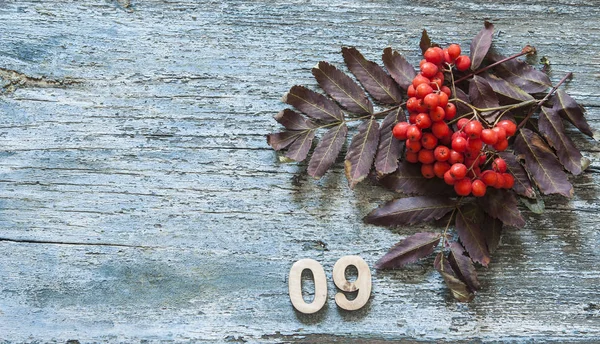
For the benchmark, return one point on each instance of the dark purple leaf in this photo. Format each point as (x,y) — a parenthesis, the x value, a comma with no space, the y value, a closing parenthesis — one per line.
(388,152)
(482,95)
(294,121)
(373,78)
(408,179)
(402,71)
(409,250)
(480,45)
(471,235)
(463,266)
(461,108)
(460,291)
(327,150)
(542,164)
(299,149)
(568,108)
(313,104)
(521,74)
(281,140)
(342,88)
(361,152)
(522,184)
(410,210)
(551,126)
(510,92)
(502,205)
(492,231)
(425,42)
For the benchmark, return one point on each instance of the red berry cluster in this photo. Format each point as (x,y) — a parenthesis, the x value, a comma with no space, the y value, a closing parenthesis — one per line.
(455,155)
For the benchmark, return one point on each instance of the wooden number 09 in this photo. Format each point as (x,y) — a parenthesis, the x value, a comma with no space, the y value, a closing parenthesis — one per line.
(362,284)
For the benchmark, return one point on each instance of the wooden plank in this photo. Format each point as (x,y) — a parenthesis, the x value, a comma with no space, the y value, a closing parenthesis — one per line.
(142,123)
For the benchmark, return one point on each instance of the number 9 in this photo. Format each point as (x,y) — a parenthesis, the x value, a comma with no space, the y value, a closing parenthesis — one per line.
(362,283)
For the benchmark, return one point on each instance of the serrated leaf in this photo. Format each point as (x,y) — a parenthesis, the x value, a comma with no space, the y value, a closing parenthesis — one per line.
(463,266)
(522,184)
(409,250)
(283,139)
(373,78)
(502,205)
(389,149)
(361,152)
(471,235)
(342,88)
(508,91)
(536,205)
(313,104)
(292,120)
(480,45)
(568,108)
(542,164)
(410,210)
(409,180)
(298,150)
(521,74)
(425,42)
(461,108)
(459,290)
(327,150)
(402,71)
(551,126)
(492,232)
(482,95)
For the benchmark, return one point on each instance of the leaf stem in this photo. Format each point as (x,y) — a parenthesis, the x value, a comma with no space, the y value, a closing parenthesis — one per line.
(524,52)
(541,102)
(384,112)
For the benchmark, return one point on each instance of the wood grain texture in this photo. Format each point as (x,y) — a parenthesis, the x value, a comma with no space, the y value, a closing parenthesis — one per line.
(143,123)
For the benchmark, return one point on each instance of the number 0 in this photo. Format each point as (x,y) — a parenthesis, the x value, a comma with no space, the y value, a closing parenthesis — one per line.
(362,283)
(295,286)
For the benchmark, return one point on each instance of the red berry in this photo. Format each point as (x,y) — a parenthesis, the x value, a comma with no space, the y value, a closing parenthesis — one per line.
(458,171)
(437,114)
(412,104)
(429,70)
(446,140)
(412,118)
(440,129)
(459,144)
(421,62)
(462,187)
(478,188)
(450,111)
(454,51)
(420,79)
(427,170)
(499,165)
(462,123)
(432,55)
(431,100)
(499,181)
(509,126)
(456,157)
(501,146)
(448,179)
(413,133)
(500,132)
(411,92)
(509,180)
(446,90)
(442,99)
(447,57)
(423,90)
(489,177)
(489,137)
(426,156)
(413,146)
(421,106)
(412,157)
(440,168)
(473,129)
(423,121)
(428,141)
(399,130)
(441,153)
(475,145)
(463,63)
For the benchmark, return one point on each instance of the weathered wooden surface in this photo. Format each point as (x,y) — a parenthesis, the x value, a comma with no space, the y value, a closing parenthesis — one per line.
(147,130)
